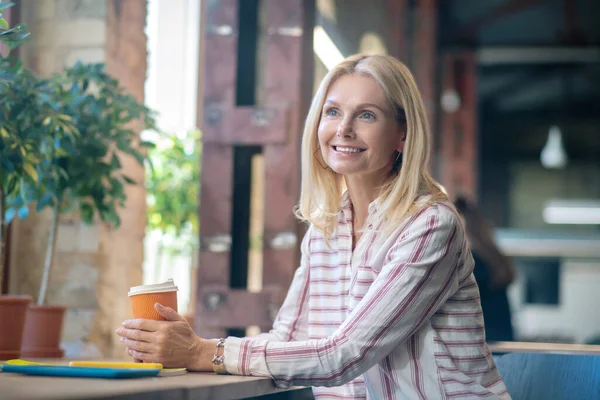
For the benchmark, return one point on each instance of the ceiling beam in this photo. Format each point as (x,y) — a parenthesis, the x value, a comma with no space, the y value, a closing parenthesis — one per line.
(581,109)
(511,7)
(572,33)
(490,56)
(517,83)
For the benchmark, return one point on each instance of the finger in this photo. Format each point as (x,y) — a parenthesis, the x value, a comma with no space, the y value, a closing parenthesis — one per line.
(135,334)
(141,324)
(139,355)
(168,313)
(137,345)
(136,360)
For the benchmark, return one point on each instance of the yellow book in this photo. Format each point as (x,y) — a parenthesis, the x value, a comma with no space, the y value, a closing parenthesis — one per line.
(18,361)
(172,371)
(164,372)
(117,364)
(114,364)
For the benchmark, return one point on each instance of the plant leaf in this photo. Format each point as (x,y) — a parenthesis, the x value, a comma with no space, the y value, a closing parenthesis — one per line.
(87,212)
(129,180)
(31,171)
(148,145)
(14,35)
(6,4)
(44,202)
(23,212)
(10,215)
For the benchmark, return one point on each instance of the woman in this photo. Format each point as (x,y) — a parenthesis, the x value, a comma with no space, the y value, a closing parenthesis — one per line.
(384,304)
(493,273)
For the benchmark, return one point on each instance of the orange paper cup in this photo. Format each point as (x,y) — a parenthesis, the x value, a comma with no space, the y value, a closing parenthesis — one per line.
(144,297)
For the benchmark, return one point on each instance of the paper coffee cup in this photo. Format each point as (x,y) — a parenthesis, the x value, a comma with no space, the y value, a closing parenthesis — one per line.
(144,297)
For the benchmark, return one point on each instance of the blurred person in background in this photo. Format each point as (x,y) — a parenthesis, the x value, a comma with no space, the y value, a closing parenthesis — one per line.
(494,272)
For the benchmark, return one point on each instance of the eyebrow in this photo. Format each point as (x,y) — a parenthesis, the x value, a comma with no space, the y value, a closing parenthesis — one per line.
(361,105)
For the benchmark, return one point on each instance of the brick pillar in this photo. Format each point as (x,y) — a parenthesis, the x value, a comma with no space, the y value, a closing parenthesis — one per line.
(93,268)
(459,139)
(63,31)
(424,64)
(125,61)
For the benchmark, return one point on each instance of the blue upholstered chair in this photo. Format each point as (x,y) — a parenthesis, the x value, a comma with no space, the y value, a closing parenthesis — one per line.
(535,376)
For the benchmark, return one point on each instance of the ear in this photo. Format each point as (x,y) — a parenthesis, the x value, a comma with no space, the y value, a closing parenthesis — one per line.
(401,140)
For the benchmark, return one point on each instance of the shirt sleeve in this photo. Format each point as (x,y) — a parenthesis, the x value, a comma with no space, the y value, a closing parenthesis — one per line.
(291,322)
(420,273)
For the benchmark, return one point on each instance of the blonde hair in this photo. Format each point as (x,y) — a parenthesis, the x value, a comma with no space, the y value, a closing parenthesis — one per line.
(322,188)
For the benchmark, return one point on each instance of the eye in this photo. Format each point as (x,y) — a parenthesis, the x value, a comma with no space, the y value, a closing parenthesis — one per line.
(331,112)
(367,115)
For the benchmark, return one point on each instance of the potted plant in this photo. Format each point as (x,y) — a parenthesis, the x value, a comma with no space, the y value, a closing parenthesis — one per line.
(84,173)
(15,153)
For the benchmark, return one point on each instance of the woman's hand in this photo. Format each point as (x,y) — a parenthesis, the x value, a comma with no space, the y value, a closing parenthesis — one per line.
(172,343)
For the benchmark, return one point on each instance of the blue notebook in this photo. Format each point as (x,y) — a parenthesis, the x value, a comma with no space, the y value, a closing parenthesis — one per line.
(80,372)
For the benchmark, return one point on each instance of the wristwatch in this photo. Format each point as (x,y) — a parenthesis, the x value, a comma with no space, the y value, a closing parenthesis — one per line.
(218,360)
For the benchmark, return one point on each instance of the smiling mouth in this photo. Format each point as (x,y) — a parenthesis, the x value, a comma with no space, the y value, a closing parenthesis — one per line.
(343,149)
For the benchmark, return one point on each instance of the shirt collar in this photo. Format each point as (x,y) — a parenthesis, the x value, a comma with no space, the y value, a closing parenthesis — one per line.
(347,204)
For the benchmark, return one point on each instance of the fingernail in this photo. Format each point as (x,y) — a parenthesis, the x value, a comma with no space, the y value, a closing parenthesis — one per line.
(119,330)
(158,305)
(122,339)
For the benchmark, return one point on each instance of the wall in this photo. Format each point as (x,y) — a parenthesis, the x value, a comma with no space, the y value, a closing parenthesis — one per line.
(356,25)
(531,185)
(126,57)
(93,267)
(173,32)
(514,189)
(575,318)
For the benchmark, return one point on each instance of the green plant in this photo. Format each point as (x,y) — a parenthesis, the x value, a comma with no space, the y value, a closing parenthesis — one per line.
(86,172)
(61,140)
(20,148)
(11,38)
(173,185)
(30,130)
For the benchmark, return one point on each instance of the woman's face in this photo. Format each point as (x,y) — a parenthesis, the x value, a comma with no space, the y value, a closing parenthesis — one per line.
(358,132)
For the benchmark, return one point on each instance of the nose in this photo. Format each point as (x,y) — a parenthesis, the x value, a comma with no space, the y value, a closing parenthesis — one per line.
(345,129)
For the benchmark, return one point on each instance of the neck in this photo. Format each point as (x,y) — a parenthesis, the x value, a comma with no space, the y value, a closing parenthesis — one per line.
(362,192)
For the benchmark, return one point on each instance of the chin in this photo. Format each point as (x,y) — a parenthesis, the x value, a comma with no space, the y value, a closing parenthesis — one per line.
(344,170)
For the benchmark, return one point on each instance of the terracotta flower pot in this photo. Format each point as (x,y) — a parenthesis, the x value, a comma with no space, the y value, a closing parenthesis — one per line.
(43,329)
(13,310)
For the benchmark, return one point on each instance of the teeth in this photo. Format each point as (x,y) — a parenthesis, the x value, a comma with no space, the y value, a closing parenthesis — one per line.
(347,149)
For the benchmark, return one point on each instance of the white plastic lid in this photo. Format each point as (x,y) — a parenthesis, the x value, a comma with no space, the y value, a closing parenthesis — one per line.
(168,286)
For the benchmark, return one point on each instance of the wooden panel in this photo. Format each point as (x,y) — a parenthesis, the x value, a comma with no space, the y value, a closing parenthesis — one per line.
(215,222)
(289,65)
(548,348)
(220,47)
(245,125)
(276,126)
(459,138)
(397,13)
(220,54)
(234,308)
(425,63)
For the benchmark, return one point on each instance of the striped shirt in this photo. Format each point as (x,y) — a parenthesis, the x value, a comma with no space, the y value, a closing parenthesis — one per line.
(398,317)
